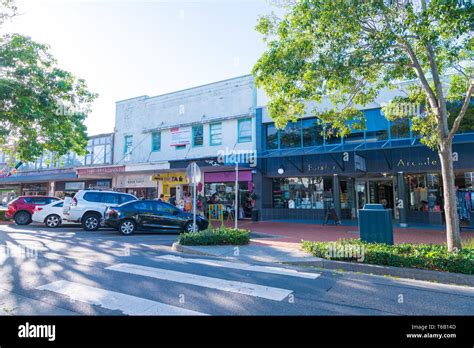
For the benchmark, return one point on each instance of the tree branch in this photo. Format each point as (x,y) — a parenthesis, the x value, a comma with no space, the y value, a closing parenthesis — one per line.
(460,117)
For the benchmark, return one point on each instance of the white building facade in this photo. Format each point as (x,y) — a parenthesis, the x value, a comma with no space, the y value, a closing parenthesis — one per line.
(157,137)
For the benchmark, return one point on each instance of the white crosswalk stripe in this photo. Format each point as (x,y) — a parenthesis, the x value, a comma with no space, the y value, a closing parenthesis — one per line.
(242,266)
(128,304)
(271,293)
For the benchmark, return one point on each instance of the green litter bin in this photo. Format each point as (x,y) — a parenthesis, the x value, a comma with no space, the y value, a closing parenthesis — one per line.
(375,224)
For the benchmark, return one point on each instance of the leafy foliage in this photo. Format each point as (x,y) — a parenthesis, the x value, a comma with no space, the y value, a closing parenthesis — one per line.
(219,236)
(423,256)
(346,52)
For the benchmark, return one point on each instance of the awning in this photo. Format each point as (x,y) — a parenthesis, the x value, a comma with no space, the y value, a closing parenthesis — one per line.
(31,178)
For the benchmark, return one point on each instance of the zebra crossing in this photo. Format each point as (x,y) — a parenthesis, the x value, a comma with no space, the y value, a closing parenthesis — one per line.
(134,305)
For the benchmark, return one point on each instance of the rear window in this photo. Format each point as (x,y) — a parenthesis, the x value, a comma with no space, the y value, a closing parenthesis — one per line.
(40,200)
(126,198)
(59,205)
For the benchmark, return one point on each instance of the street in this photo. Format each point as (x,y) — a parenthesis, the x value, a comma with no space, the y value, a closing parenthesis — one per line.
(67,271)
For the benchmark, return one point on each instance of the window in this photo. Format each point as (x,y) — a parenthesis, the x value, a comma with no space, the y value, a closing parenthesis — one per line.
(155,141)
(126,198)
(180,147)
(400,128)
(198,135)
(93,197)
(290,137)
(245,130)
(142,205)
(271,136)
(110,198)
(215,130)
(165,208)
(312,132)
(128,144)
(302,193)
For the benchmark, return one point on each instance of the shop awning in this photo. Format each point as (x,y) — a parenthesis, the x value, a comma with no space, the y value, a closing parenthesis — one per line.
(17,179)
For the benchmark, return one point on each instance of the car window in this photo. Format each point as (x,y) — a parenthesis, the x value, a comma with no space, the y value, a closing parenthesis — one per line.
(142,205)
(165,208)
(27,200)
(58,205)
(93,197)
(40,200)
(126,198)
(52,199)
(110,198)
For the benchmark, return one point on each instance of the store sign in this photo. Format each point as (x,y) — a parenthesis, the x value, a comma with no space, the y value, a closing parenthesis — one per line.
(74,186)
(420,163)
(173,178)
(360,163)
(135,181)
(103,184)
(100,170)
(180,136)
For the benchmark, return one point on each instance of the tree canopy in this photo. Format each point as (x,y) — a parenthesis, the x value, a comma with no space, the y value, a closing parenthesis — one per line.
(349,50)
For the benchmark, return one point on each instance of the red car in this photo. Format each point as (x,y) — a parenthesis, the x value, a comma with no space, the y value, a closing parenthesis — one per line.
(22,208)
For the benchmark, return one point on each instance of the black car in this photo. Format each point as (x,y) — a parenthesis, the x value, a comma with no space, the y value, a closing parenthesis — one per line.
(151,215)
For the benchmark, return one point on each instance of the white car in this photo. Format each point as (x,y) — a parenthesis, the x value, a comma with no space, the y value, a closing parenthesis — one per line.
(88,206)
(50,214)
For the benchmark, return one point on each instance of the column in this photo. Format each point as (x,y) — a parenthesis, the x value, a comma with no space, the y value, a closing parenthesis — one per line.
(336,191)
(402,203)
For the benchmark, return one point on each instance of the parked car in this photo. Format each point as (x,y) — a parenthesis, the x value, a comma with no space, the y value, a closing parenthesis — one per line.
(88,206)
(51,214)
(21,209)
(151,215)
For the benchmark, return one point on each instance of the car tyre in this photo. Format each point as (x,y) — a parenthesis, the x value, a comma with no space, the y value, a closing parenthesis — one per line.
(23,218)
(127,227)
(189,227)
(52,221)
(91,222)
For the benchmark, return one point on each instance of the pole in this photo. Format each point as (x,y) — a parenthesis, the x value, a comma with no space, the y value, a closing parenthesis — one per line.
(402,202)
(194,196)
(236,209)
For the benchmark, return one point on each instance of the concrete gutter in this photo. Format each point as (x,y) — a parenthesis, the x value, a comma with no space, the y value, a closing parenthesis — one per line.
(408,273)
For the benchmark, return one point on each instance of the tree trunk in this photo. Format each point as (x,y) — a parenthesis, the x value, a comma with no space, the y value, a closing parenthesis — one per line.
(453,234)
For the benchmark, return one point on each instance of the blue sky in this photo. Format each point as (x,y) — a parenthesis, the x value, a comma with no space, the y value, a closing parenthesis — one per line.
(126,48)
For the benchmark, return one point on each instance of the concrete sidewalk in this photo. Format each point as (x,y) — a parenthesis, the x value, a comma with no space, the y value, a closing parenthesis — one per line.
(290,234)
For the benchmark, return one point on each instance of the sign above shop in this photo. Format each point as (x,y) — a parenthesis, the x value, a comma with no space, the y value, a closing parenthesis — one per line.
(100,170)
(74,186)
(135,181)
(180,136)
(173,178)
(360,163)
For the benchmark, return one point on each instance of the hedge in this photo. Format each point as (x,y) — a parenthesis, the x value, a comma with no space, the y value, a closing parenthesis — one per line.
(431,257)
(219,236)
(2,215)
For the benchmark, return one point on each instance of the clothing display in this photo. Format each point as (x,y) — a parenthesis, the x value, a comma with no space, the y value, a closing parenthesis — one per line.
(464,204)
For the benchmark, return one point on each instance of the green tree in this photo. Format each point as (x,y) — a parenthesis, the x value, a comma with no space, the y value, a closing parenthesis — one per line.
(349,50)
(42,107)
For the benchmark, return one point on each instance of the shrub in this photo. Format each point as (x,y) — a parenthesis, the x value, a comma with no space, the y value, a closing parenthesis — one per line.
(219,236)
(2,215)
(432,257)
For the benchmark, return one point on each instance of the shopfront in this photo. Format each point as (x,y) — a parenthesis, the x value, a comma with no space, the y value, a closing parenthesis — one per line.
(302,186)
(70,188)
(140,185)
(170,184)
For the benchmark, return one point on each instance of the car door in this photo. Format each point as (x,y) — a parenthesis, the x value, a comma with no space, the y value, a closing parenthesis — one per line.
(109,199)
(143,214)
(167,216)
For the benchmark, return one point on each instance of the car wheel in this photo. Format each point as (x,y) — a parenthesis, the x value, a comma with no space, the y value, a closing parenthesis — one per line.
(190,227)
(91,222)
(23,218)
(127,227)
(52,221)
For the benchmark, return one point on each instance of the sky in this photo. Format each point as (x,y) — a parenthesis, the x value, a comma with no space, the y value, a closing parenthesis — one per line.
(127,48)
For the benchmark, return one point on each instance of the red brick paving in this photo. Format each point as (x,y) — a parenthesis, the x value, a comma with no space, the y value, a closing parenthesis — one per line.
(292,233)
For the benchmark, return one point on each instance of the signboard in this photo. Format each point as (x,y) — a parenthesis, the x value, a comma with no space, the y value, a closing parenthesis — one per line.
(134,181)
(74,186)
(193,173)
(178,178)
(100,170)
(180,136)
(216,213)
(360,163)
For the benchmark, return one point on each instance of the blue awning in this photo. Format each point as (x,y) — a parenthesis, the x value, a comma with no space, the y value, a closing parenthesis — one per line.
(40,177)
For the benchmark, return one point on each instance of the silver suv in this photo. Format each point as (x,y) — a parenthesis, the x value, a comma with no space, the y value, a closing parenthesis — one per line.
(88,206)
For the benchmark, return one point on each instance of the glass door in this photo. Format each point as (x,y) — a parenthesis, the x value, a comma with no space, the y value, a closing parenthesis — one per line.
(361,195)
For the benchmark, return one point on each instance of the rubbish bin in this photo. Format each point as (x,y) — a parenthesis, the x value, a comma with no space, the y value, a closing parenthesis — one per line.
(375,224)
(255,215)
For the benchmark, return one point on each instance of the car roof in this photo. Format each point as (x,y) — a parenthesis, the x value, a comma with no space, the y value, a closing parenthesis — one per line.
(106,191)
(38,196)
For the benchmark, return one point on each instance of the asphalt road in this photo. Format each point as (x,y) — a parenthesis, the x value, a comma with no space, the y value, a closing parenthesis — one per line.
(68,271)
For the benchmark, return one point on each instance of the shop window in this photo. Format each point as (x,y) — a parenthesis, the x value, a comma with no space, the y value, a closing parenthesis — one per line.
(400,128)
(198,135)
(155,141)
(331,135)
(271,137)
(302,193)
(424,192)
(312,132)
(290,137)
(215,130)
(245,130)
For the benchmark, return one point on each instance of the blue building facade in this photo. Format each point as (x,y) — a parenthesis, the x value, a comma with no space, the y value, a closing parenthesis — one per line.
(300,171)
